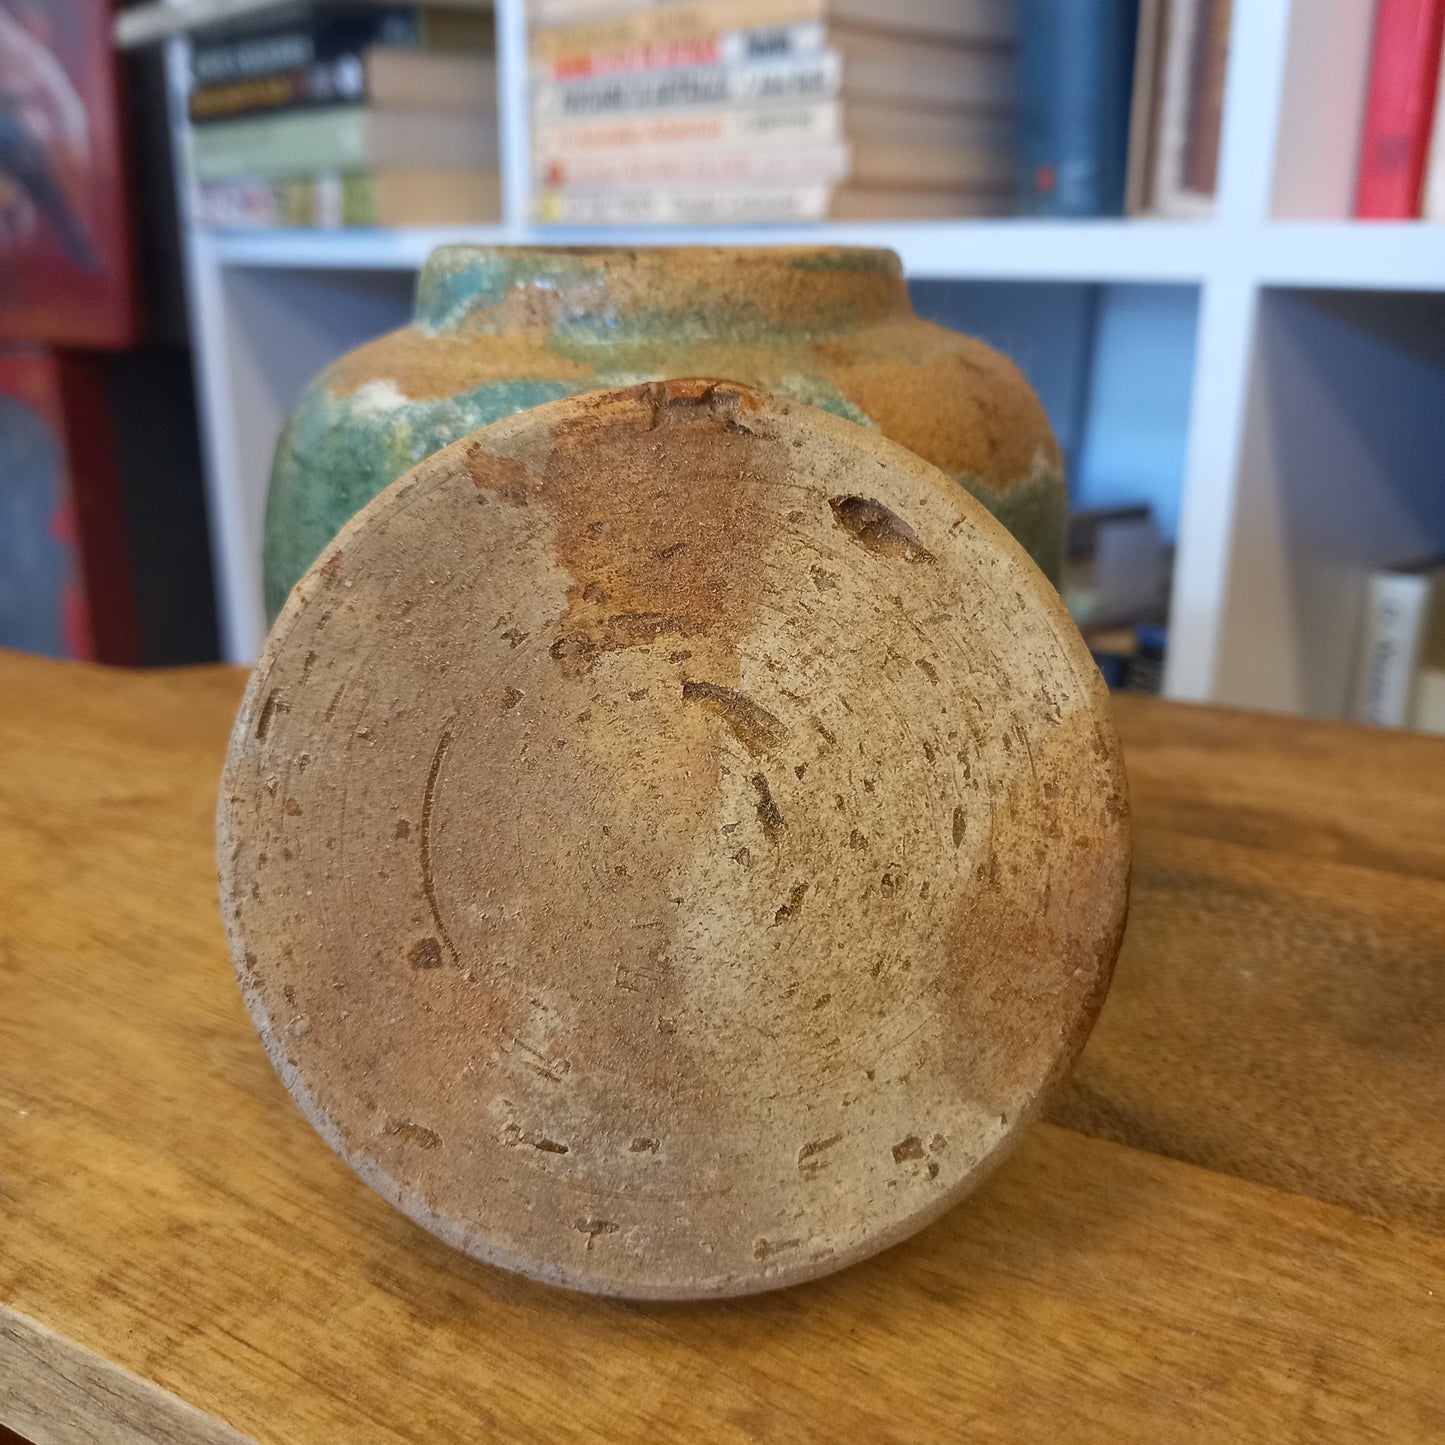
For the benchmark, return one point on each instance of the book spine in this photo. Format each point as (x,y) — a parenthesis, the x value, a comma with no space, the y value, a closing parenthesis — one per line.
(234,203)
(1075,77)
(751,126)
(1427,707)
(1404,65)
(1396,607)
(674,23)
(679,206)
(729,47)
(1185,22)
(281,145)
(247,56)
(682,165)
(324,199)
(326,82)
(1206,98)
(1144,106)
(802,78)
(1433,208)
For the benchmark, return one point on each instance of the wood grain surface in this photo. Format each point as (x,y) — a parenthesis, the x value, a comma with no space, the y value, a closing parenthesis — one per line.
(672,842)
(165,1210)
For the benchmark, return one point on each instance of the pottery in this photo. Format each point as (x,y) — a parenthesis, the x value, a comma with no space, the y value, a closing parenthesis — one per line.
(672,842)
(499,329)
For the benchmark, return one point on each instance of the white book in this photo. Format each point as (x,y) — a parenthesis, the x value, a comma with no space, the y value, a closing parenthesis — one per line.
(752,126)
(1168,195)
(729,47)
(1432,206)
(1427,709)
(692,165)
(683,206)
(1322,109)
(798,78)
(1404,614)
(594,24)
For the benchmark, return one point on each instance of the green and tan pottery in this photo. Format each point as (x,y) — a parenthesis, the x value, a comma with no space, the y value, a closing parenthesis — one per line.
(500,329)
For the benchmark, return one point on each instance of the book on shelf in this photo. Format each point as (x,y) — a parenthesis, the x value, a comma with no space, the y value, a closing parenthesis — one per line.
(796,78)
(708,165)
(902,166)
(1075,82)
(967,133)
(343,138)
(144,24)
(1144,107)
(360,198)
(1432,206)
(1427,710)
(704,205)
(925,72)
(382,76)
(1321,113)
(855,202)
(1402,631)
(334,34)
(724,47)
(1193,58)
(558,34)
(1399,106)
(723,126)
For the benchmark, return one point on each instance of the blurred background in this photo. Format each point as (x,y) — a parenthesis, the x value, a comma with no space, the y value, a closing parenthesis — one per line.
(1209,234)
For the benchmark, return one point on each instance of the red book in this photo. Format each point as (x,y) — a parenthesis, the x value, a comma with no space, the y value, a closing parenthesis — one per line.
(1399,109)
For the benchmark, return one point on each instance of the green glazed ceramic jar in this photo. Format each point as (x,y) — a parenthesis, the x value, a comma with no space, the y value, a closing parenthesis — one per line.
(500,329)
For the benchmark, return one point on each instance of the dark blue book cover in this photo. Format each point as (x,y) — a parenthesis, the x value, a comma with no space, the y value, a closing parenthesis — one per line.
(1076,76)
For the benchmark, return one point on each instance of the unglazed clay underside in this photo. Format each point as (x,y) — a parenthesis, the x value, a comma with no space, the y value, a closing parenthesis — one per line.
(669,846)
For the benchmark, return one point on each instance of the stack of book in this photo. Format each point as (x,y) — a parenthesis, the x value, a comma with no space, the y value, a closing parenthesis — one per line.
(377,116)
(761,111)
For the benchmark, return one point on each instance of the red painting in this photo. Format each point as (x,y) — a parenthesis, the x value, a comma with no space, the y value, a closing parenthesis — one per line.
(66,273)
(65,586)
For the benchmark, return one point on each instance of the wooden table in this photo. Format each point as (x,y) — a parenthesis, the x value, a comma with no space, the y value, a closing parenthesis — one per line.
(1231,1230)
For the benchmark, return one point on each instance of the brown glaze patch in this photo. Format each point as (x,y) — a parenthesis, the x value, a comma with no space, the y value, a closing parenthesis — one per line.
(684,465)
(955,401)
(504,476)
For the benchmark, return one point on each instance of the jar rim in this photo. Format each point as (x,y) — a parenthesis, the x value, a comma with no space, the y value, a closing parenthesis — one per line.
(591,288)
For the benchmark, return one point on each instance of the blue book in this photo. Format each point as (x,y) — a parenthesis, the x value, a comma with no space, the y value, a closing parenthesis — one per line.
(1076,77)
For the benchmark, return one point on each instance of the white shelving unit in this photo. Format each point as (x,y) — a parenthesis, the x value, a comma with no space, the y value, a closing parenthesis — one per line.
(1318,402)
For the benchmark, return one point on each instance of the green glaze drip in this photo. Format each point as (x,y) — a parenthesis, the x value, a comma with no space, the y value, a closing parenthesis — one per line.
(337,453)
(819,392)
(1035,511)
(459,285)
(577,332)
(879,263)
